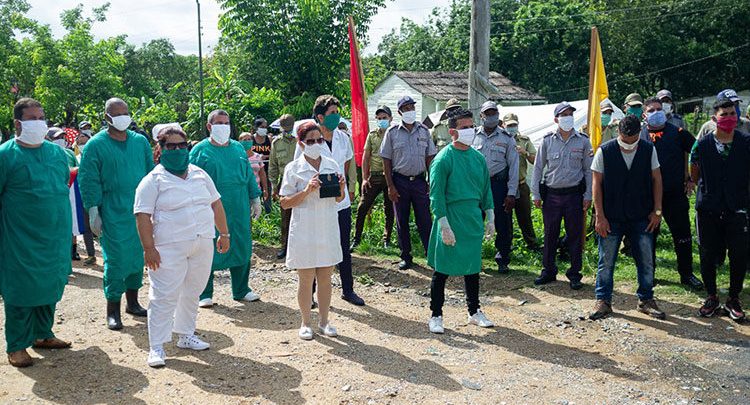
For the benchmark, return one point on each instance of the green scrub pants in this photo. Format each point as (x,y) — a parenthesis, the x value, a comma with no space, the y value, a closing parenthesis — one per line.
(114,287)
(24,325)
(240,281)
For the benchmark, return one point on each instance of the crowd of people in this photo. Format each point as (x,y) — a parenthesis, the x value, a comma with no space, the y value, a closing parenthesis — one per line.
(183,209)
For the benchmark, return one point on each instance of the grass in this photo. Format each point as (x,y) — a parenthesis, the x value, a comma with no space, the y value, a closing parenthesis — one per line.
(267,231)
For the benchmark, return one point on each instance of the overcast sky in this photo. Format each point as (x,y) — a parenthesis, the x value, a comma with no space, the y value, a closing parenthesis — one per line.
(144,20)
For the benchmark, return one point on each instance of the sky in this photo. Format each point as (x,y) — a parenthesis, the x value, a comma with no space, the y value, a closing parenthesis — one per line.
(144,20)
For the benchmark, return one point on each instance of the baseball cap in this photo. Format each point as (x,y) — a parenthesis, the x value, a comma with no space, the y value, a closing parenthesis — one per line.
(510,119)
(489,105)
(452,103)
(606,105)
(83,124)
(385,109)
(728,95)
(286,122)
(633,99)
(53,132)
(664,93)
(405,100)
(562,107)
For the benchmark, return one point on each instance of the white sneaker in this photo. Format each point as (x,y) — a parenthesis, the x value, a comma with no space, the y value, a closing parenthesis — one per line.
(156,357)
(480,320)
(328,330)
(192,342)
(250,297)
(305,333)
(436,324)
(205,303)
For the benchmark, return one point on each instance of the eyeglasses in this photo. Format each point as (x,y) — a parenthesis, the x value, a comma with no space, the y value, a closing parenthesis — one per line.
(314,141)
(175,146)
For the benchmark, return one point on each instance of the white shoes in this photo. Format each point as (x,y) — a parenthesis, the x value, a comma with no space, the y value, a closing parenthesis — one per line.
(156,357)
(480,320)
(328,330)
(436,324)
(205,303)
(192,342)
(305,333)
(250,297)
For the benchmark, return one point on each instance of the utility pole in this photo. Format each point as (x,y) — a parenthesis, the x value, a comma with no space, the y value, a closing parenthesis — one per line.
(480,87)
(200,69)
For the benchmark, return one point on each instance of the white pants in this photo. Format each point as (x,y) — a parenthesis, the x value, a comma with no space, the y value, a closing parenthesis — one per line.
(176,287)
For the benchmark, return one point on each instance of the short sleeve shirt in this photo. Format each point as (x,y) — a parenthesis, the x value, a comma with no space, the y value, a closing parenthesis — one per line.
(408,151)
(524,142)
(372,145)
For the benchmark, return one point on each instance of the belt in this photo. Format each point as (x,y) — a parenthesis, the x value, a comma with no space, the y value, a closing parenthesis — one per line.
(565,191)
(411,178)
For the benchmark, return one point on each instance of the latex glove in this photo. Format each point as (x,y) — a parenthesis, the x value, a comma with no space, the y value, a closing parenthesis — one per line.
(95,221)
(256,208)
(446,232)
(489,225)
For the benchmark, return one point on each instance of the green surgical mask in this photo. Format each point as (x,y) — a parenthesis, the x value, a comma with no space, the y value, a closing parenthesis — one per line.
(606,119)
(247,145)
(332,121)
(637,111)
(174,161)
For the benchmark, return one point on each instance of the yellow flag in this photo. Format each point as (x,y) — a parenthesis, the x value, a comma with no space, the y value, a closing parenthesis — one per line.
(598,90)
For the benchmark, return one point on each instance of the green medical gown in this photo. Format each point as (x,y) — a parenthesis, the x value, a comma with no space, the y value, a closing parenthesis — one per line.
(459,190)
(234,178)
(109,173)
(35,224)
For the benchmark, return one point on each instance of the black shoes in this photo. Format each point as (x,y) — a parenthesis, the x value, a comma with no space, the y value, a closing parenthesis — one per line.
(281,254)
(133,307)
(692,282)
(75,256)
(544,279)
(113,316)
(576,285)
(404,264)
(502,268)
(353,299)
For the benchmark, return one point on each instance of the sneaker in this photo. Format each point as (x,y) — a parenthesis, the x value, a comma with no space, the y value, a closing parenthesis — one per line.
(734,309)
(436,324)
(405,264)
(156,357)
(353,299)
(305,333)
(328,330)
(710,306)
(692,282)
(90,261)
(192,342)
(602,309)
(650,308)
(250,297)
(480,320)
(205,303)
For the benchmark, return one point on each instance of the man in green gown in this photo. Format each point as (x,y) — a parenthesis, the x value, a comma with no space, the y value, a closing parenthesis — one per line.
(35,224)
(225,161)
(459,195)
(112,164)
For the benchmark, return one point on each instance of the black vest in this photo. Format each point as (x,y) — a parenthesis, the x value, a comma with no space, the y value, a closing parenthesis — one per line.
(723,184)
(628,194)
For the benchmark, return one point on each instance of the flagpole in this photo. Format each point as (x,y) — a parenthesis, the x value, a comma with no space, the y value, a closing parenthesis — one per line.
(592,71)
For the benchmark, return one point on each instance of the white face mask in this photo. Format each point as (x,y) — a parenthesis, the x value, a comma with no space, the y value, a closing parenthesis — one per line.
(220,133)
(61,143)
(87,132)
(409,117)
(626,146)
(312,151)
(262,131)
(121,122)
(33,132)
(667,108)
(466,136)
(566,123)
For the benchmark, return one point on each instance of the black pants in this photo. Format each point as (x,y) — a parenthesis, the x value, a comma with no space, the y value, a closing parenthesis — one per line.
(437,293)
(367,200)
(676,209)
(715,231)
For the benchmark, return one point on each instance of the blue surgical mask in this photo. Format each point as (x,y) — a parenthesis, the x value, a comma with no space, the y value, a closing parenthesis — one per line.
(383,124)
(656,119)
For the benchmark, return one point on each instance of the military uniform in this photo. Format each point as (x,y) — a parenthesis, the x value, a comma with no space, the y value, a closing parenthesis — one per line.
(282,152)
(523,202)
(440,135)
(378,186)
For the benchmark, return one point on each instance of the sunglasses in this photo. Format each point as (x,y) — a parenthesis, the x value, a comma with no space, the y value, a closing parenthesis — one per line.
(175,146)
(314,141)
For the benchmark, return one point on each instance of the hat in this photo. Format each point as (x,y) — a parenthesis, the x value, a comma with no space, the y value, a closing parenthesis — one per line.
(728,95)
(287,122)
(633,99)
(83,124)
(510,119)
(606,105)
(160,127)
(385,109)
(452,103)
(664,93)
(53,132)
(405,100)
(488,105)
(562,107)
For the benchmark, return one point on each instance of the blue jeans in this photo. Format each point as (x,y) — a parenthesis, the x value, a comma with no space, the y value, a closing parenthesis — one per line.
(642,244)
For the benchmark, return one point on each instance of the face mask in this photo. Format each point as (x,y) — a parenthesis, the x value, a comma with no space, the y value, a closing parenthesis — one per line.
(656,119)
(667,107)
(121,122)
(331,121)
(606,119)
(466,136)
(262,131)
(491,121)
(174,161)
(247,144)
(627,146)
(383,124)
(87,132)
(566,123)
(312,151)
(33,132)
(220,133)
(61,143)
(637,111)
(512,131)
(727,124)
(409,117)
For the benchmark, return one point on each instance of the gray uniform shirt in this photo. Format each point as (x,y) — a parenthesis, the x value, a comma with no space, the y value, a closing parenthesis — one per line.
(676,120)
(710,126)
(566,163)
(406,150)
(499,151)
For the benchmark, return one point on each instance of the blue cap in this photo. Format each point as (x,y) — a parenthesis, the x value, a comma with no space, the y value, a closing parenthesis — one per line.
(405,100)
(728,95)
(562,107)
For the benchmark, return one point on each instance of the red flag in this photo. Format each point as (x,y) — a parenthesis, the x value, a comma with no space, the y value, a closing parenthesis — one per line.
(360,122)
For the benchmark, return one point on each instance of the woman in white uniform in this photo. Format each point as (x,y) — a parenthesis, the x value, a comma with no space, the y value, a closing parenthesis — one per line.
(176,208)
(314,245)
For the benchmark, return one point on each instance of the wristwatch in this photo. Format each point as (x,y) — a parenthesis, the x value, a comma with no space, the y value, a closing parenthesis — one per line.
(226,235)
(657,212)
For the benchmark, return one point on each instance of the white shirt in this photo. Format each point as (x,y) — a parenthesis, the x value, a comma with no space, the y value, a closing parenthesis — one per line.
(180,208)
(342,152)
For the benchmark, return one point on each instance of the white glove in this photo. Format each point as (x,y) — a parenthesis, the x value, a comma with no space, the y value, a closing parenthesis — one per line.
(95,221)
(489,226)
(446,232)
(256,208)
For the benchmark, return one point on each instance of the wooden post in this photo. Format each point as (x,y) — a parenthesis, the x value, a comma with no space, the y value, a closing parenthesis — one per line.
(479,54)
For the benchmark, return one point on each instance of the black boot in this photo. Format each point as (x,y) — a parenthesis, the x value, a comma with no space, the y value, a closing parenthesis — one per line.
(133,307)
(113,315)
